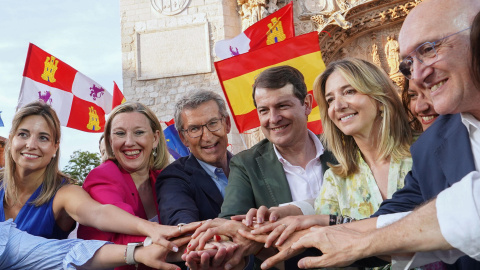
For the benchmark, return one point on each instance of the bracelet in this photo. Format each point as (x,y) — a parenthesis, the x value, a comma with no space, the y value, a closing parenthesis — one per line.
(333,220)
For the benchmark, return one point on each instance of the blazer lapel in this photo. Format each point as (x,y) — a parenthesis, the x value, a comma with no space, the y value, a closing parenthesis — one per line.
(455,155)
(203,180)
(273,176)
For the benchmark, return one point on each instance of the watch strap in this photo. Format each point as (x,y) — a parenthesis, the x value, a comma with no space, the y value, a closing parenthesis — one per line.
(129,259)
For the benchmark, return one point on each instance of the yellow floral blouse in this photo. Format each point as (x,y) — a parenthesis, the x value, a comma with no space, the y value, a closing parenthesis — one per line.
(357,195)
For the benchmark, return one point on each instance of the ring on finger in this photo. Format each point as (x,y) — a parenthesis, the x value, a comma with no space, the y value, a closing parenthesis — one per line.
(180,225)
(285,225)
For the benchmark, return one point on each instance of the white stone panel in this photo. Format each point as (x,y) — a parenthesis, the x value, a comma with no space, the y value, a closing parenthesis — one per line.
(173,52)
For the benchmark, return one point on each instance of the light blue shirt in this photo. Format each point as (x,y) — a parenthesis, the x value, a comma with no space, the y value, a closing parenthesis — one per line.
(217,175)
(20,250)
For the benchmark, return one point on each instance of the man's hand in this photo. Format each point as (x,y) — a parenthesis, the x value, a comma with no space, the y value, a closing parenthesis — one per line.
(280,231)
(215,255)
(340,246)
(226,228)
(285,250)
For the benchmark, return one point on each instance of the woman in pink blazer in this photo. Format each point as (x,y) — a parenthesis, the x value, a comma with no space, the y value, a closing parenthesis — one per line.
(136,152)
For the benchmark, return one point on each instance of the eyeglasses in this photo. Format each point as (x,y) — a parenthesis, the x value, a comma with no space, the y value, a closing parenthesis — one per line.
(425,54)
(197,130)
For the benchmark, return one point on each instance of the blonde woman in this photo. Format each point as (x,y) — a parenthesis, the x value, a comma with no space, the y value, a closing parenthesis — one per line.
(41,200)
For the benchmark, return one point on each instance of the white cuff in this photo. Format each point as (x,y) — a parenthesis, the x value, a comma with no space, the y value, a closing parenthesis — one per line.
(458,215)
(305,206)
(385,220)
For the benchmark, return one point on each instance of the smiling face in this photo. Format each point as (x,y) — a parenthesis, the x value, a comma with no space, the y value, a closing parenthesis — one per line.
(354,113)
(449,79)
(283,118)
(421,105)
(132,140)
(33,145)
(210,147)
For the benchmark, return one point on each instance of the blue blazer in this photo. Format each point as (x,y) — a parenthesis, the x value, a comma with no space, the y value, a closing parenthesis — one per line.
(186,193)
(442,156)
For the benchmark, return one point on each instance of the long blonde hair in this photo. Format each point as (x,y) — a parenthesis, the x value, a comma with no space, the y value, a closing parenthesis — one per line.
(157,162)
(53,178)
(395,134)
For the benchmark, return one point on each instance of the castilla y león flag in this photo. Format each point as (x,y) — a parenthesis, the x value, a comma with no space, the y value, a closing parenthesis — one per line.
(274,28)
(79,102)
(237,75)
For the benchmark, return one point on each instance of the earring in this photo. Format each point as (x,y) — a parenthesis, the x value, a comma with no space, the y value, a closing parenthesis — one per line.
(54,155)
(154,152)
(381,111)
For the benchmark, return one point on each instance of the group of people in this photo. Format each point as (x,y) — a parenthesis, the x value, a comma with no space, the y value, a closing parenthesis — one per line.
(389,176)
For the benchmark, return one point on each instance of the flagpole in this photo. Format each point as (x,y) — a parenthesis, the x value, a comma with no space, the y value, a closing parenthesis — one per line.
(244,144)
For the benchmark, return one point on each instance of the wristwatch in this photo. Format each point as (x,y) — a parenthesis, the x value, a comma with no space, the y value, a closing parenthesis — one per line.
(129,259)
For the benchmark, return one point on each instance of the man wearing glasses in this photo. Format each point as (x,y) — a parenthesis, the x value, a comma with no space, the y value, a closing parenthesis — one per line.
(192,188)
(434,44)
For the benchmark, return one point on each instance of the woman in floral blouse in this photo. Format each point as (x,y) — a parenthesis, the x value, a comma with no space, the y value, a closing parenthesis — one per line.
(368,131)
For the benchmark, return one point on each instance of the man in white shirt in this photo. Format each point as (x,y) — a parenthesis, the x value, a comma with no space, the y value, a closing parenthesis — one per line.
(434,45)
(288,165)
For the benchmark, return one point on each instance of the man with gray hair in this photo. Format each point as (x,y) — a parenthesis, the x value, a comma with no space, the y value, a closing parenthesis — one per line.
(192,188)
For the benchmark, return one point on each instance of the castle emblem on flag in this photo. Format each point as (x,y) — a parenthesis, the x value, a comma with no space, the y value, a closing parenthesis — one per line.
(47,97)
(96,92)
(93,123)
(49,69)
(275,34)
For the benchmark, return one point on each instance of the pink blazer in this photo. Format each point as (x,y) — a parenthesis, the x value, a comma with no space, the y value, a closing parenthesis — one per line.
(109,184)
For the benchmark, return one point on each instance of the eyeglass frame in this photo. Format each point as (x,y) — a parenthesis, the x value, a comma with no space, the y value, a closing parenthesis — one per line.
(206,126)
(433,44)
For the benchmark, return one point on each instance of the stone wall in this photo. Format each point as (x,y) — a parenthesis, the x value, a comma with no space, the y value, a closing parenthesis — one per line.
(141,18)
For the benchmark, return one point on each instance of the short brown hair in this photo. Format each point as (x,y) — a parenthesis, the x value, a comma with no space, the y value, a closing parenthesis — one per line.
(278,77)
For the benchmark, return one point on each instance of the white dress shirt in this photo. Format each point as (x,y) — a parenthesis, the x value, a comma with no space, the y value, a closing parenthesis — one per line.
(458,211)
(305,183)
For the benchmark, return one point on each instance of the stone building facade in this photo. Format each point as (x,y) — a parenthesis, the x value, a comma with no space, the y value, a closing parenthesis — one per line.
(167,45)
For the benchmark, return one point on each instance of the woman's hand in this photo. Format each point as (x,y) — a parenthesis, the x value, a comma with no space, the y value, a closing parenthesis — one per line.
(156,256)
(256,217)
(279,231)
(161,234)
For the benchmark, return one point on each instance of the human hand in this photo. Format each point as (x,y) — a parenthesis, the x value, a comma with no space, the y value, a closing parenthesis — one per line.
(215,255)
(155,256)
(160,234)
(256,217)
(226,228)
(340,246)
(285,250)
(281,230)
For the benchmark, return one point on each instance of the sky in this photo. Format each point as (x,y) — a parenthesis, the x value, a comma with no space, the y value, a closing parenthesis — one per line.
(84,34)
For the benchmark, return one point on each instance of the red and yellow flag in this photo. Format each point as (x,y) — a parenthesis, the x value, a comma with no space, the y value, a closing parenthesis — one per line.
(79,102)
(118,97)
(272,29)
(237,75)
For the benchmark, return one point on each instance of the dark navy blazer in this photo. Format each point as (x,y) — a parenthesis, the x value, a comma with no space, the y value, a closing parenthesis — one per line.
(442,156)
(186,193)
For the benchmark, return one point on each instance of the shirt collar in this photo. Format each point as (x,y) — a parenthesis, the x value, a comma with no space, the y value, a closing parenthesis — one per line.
(210,169)
(470,122)
(318,148)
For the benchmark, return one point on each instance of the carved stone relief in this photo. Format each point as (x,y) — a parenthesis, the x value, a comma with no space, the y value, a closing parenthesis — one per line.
(169,7)
(366,29)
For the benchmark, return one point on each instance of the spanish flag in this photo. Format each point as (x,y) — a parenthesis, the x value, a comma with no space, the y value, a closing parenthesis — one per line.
(274,28)
(237,75)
